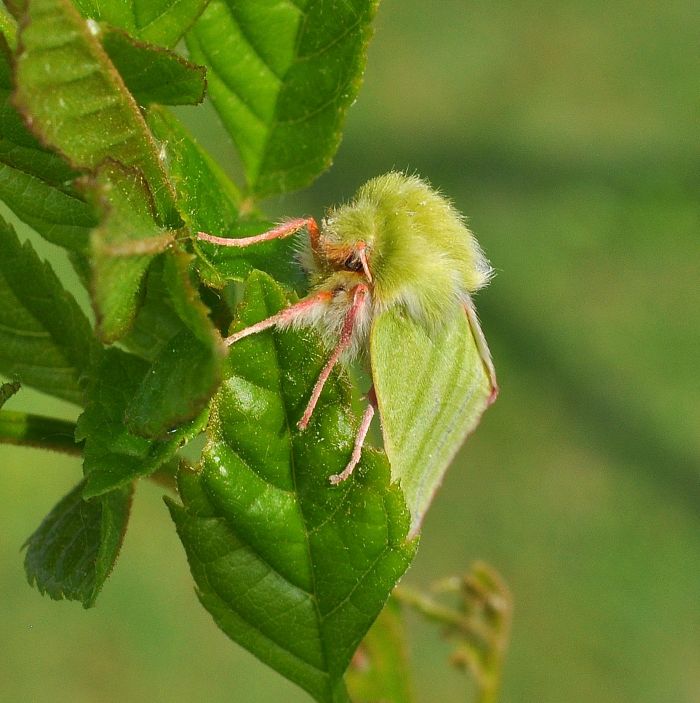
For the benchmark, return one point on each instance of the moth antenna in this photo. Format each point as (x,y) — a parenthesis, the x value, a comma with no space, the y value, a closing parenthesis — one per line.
(357,449)
(286,229)
(359,294)
(281,318)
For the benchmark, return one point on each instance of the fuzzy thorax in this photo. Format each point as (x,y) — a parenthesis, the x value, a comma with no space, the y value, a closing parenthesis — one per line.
(421,255)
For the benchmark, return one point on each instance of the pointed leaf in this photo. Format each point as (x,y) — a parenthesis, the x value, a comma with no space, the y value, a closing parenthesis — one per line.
(178,386)
(75,101)
(282,76)
(114,456)
(74,549)
(157,321)
(35,183)
(189,367)
(209,202)
(156,21)
(290,567)
(153,74)
(45,339)
(61,218)
(207,199)
(123,245)
(432,390)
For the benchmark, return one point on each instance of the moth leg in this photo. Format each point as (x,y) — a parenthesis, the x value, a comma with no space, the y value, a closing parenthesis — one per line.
(483,348)
(283,317)
(359,294)
(359,440)
(286,229)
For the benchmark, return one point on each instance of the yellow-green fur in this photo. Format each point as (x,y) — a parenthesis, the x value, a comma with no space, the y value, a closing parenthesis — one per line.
(420,252)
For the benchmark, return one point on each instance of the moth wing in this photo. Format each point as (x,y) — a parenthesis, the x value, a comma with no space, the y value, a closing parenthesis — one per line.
(431,390)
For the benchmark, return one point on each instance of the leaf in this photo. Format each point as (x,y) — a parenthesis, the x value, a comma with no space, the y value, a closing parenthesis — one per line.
(206,197)
(157,322)
(381,670)
(123,245)
(74,549)
(114,457)
(36,183)
(282,76)
(432,390)
(188,369)
(153,74)
(74,100)
(180,383)
(291,568)
(209,202)
(45,339)
(156,21)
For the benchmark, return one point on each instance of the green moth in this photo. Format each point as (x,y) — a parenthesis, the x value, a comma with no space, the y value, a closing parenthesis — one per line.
(391,278)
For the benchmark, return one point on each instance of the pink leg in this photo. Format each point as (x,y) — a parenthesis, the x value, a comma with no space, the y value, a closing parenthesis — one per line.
(357,449)
(286,229)
(281,317)
(359,294)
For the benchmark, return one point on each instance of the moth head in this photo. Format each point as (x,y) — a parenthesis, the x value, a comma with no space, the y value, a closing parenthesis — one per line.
(346,242)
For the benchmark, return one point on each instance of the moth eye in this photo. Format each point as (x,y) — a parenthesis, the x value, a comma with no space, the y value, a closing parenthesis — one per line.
(352,264)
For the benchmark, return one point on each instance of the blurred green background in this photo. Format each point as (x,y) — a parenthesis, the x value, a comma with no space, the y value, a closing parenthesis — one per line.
(568,132)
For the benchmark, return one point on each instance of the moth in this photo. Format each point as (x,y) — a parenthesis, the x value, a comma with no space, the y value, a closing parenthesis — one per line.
(391,277)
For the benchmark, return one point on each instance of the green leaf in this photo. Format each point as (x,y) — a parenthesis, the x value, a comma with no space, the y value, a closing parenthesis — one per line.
(209,202)
(61,218)
(36,183)
(188,369)
(153,74)
(206,197)
(381,670)
(123,245)
(45,339)
(282,76)
(293,569)
(174,331)
(74,549)
(432,390)
(157,322)
(178,386)
(75,101)
(114,456)
(155,21)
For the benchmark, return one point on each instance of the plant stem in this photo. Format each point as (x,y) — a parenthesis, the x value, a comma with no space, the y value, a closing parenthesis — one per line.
(480,626)
(41,432)
(38,431)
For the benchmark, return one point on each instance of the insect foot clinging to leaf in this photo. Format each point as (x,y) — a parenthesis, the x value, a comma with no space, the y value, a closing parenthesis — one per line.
(397,254)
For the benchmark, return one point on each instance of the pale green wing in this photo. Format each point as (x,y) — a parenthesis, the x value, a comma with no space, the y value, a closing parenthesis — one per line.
(432,390)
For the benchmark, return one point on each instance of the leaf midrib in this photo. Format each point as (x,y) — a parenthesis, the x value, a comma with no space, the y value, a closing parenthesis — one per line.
(293,469)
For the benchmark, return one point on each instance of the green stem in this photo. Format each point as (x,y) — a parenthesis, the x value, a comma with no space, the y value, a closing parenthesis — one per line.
(38,431)
(55,435)
(481,625)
